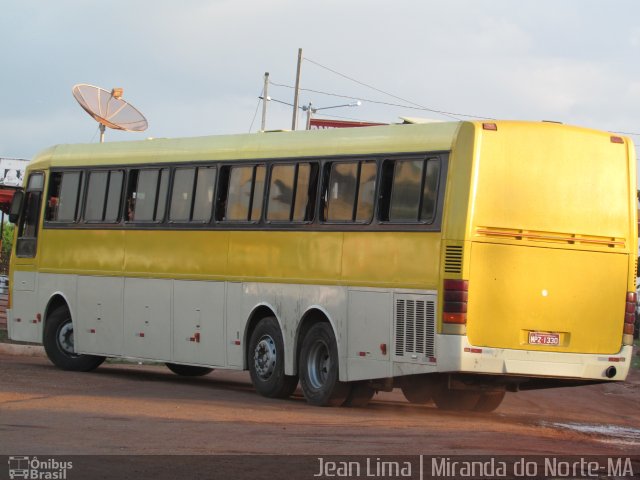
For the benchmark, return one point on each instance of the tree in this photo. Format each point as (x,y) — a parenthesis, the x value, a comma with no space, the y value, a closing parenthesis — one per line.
(7,239)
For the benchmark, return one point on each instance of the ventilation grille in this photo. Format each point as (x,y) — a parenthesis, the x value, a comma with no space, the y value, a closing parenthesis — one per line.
(453,259)
(415,328)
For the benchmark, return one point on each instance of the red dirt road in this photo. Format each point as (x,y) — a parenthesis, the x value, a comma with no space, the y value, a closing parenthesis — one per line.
(131,409)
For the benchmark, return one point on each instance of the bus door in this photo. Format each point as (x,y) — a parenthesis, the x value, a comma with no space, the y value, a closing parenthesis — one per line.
(26,321)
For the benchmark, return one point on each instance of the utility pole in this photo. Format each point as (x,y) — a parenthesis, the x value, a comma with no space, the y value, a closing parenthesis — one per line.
(310,110)
(265,99)
(294,121)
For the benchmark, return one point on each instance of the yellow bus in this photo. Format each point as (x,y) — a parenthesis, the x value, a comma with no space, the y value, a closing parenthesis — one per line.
(454,260)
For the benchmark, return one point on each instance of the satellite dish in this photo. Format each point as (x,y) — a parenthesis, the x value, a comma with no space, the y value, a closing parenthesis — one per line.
(109,109)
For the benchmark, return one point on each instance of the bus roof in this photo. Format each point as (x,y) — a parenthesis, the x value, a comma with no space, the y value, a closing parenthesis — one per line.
(343,141)
(431,137)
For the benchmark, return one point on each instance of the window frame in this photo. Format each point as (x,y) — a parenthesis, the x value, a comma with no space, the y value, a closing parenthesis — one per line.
(221,198)
(27,246)
(87,178)
(216,223)
(194,184)
(312,191)
(80,194)
(438,204)
(129,192)
(326,186)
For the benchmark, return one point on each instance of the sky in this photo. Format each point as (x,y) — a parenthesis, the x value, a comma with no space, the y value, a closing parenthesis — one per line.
(196,67)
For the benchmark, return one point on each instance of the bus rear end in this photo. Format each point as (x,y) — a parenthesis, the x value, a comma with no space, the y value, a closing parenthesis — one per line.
(549,256)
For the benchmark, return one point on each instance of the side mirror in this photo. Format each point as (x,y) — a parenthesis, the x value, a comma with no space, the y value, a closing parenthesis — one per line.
(16,206)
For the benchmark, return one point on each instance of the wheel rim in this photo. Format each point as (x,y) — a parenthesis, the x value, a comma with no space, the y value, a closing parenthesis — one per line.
(318,365)
(65,339)
(265,357)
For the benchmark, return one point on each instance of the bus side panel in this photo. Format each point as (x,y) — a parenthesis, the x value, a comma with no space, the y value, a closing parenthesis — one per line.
(176,254)
(22,324)
(391,259)
(198,323)
(514,290)
(99,323)
(78,250)
(293,257)
(147,318)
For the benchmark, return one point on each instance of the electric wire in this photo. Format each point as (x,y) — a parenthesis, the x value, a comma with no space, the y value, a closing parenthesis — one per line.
(379,102)
(411,105)
(440,112)
(255,115)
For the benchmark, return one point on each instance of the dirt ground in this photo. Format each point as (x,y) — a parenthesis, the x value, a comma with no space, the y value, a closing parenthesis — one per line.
(136,409)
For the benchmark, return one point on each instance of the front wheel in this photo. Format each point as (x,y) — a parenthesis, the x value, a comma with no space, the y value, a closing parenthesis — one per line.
(319,368)
(59,344)
(266,361)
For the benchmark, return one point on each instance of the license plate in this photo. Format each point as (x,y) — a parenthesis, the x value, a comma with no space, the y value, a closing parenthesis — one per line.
(539,338)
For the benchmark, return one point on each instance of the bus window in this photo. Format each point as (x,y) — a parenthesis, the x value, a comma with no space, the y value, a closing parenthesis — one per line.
(409,190)
(186,205)
(245,192)
(103,196)
(203,198)
(289,193)
(350,193)
(180,209)
(147,195)
(28,228)
(64,190)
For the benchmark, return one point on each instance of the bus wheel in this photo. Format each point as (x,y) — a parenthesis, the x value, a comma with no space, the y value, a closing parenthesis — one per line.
(360,395)
(455,400)
(319,368)
(419,392)
(59,345)
(489,401)
(188,370)
(266,361)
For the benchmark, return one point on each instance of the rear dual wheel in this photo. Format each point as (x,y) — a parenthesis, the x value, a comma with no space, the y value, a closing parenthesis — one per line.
(266,361)
(319,376)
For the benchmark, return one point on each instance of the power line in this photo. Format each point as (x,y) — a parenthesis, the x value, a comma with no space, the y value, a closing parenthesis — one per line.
(378,102)
(256,112)
(441,112)
(412,105)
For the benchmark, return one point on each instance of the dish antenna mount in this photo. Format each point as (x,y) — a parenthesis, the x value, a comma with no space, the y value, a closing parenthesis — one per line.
(109,109)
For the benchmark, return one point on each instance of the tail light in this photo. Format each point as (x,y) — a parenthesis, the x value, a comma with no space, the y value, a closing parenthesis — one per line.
(454,309)
(630,315)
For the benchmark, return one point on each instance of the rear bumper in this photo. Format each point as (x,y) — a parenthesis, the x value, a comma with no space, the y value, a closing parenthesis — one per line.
(456,354)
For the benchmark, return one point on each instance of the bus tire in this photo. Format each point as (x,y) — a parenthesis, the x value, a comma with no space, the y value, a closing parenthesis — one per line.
(489,401)
(360,395)
(419,392)
(266,361)
(318,368)
(455,400)
(188,370)
(59,345)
